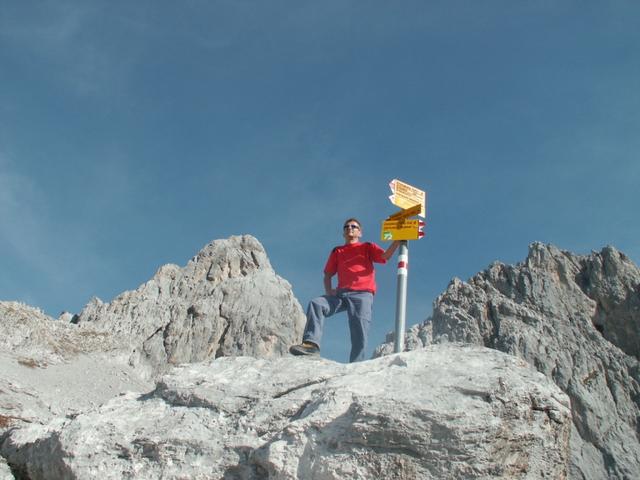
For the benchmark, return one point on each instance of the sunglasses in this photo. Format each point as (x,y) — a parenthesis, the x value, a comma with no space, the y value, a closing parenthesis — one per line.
(353,226)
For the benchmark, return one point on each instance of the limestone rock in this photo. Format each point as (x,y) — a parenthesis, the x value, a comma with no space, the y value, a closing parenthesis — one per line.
(38,340)
(49,368)
(577,320)
(226,301)
(416,337)
(444,412)
(66,317)
(39,393)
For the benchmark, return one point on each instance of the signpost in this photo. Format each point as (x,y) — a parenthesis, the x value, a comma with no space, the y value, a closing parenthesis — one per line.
(406,213)
(399,226)
(404,195)
(402,229)
(401,297)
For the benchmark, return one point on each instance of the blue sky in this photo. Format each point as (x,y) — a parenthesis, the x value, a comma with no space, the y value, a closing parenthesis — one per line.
(132,133)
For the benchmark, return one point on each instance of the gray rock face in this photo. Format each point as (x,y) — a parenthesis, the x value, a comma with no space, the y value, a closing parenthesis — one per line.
(416,337)
(226,301)
(577,320)
(445,412)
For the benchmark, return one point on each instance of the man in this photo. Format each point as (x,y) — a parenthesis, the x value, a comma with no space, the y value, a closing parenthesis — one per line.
(353,262)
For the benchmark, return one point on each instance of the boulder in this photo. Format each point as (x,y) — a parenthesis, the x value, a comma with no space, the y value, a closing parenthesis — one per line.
(444,412)
(226,301)
(576,318)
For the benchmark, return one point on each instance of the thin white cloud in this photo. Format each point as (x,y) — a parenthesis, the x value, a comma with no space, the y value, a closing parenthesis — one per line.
(21,223)
(62,41)
(60,249)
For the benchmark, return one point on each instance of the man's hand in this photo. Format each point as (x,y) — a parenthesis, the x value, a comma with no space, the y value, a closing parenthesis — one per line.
(391,250)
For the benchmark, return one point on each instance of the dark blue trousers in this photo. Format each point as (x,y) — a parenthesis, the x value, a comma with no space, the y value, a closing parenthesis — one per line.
(358,306)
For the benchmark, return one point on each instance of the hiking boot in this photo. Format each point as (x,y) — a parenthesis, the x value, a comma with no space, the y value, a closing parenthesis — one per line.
(306,348)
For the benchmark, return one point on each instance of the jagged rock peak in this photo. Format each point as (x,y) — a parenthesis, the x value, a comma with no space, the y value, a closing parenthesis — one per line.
(238,255)
(220,260)
(609,261)
(576,319)
(227,300)
(608,279)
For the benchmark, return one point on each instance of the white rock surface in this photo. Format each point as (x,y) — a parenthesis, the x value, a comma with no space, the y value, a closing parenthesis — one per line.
(5,471)
(226,301)
(38,394)
(445,412)
(49,368)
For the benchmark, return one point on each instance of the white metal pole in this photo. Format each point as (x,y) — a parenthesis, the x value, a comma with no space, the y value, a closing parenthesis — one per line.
(401,296)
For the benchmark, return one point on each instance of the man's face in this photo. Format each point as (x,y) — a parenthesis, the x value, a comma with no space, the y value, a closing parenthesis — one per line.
(351,231)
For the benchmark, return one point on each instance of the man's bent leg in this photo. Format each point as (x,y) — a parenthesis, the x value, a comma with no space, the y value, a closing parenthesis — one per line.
(320,308)
(360,305)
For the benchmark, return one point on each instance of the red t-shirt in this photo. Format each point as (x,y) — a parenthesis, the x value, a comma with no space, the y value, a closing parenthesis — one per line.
(354,265)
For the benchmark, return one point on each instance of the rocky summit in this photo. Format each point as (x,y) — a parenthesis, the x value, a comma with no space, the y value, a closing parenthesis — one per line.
(447,412)
(575,318)
(522,372)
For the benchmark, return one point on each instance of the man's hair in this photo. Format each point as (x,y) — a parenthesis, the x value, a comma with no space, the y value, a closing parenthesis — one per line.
(352,220)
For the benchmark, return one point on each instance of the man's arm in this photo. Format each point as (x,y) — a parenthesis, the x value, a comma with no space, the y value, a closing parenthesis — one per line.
(327,284)
(388,253)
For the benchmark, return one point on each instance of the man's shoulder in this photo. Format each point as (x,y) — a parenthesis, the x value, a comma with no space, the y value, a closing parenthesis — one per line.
(374,246)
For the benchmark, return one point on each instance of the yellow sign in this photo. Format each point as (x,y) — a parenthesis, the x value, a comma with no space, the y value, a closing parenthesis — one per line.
(406,213)
(401,230)
(406,196)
